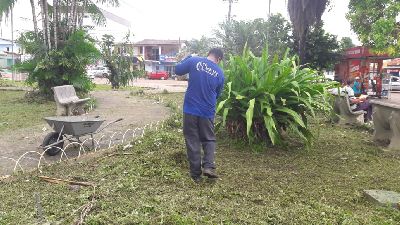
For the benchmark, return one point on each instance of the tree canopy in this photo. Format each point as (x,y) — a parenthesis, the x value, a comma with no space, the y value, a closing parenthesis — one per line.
(276,32)
(376,24)
(322,49)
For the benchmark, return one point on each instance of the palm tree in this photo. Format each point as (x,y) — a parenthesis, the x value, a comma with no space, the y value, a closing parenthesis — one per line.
(67,12)
(35,25)
(303,14)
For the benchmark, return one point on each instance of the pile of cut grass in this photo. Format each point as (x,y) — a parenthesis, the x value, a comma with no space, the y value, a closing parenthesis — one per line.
(290,185)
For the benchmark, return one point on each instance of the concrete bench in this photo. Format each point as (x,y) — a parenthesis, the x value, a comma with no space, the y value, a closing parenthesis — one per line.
(386,117)
(345,115)
(66,100)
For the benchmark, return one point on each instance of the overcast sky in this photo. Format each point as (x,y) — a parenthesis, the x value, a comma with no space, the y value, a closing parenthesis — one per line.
(185,19)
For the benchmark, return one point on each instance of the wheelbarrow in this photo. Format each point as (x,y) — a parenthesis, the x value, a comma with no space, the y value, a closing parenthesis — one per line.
(70,127)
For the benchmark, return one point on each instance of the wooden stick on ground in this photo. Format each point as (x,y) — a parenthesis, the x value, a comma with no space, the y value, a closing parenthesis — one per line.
(119,153)
(58,181)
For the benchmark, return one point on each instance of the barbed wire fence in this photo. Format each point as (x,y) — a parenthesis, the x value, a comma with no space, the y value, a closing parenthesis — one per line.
(103,142)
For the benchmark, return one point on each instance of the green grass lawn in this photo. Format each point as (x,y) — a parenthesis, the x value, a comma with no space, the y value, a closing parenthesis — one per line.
(17,112)
(290,185)
(10,83)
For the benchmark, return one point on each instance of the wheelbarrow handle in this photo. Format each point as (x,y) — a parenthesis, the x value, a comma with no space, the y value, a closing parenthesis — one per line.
(115,121)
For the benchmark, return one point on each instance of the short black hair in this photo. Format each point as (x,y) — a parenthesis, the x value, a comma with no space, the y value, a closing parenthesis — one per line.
(348,82)
(217,52)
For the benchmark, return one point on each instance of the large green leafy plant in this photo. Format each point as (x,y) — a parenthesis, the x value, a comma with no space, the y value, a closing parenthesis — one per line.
(120,61)
(263,97)
(66,65)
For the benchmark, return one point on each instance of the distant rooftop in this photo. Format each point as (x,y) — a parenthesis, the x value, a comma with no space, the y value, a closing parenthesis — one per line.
(3,40)
(159,42)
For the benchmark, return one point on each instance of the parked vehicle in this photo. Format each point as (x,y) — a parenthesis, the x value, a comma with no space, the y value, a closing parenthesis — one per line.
(158,75)
(99,71)
(393,83)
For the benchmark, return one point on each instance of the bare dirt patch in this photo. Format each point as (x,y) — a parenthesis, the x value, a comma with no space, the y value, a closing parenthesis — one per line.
(111,105)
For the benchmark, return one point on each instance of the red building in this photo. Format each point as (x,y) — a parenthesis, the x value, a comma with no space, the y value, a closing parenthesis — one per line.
(360,62)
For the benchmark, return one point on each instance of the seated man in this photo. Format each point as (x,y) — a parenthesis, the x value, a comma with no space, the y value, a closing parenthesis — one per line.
(357,87)
(360,103)
(356,104)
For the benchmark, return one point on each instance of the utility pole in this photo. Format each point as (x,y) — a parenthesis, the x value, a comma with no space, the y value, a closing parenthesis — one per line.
(269,8)
(230,8)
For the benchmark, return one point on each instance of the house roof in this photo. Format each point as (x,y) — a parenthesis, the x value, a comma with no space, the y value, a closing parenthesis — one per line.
(159,42)
(5,41)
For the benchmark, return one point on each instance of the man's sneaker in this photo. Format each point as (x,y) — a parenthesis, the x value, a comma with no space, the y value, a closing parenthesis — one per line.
(210,173)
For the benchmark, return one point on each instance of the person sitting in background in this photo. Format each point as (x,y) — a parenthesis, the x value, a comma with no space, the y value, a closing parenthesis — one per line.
(356,103)
(357,87)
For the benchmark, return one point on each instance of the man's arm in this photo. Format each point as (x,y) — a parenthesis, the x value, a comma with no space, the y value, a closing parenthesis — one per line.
(183,67)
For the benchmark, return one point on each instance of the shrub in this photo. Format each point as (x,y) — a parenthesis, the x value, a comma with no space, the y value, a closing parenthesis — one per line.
(65,65)
(264,97)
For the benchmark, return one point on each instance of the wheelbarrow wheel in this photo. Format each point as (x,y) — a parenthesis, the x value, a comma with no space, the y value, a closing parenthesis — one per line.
(50,139)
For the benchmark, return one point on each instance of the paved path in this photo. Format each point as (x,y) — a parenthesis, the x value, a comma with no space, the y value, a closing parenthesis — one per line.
(111,105)
(395,97)
(157,85)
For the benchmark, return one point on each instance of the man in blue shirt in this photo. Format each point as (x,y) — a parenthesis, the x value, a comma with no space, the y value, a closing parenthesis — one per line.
(206,81)
(357,87)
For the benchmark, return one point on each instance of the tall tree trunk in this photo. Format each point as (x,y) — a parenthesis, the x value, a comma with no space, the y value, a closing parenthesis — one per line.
(35,25)
(47,24)
(67,9)
(82,14)
(55,23)
(302,46)
(43,12)
(72,16)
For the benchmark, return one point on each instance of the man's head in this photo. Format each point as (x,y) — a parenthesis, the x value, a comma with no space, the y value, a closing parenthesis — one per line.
(216,55)
(357,79)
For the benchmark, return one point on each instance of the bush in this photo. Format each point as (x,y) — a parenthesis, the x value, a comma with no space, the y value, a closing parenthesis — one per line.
(263,99)
(66,65)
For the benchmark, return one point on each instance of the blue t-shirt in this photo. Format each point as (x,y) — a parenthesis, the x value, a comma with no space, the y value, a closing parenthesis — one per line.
(206,81)
(356,88)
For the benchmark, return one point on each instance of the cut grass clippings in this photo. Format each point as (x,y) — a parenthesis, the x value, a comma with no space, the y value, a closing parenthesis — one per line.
(322,185)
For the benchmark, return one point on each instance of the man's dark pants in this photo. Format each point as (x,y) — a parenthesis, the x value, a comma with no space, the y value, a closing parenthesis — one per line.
(199,133)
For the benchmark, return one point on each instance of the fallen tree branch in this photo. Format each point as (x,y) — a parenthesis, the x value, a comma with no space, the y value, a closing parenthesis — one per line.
(119,153)
(58,181)
(86,208)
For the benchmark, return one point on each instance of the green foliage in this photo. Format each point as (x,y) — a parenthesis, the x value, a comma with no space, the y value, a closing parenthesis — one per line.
(345,43)
(376,24)
(67,65)
(276,32)
(198,46)
(261,99)
(119,62)
(322,49)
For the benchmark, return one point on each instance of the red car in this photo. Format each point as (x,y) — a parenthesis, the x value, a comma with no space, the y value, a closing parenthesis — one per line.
(158,75)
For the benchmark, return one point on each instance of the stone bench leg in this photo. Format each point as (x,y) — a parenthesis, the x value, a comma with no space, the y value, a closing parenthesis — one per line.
(351,119)
(382,130)
(61,110)
(394,121)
